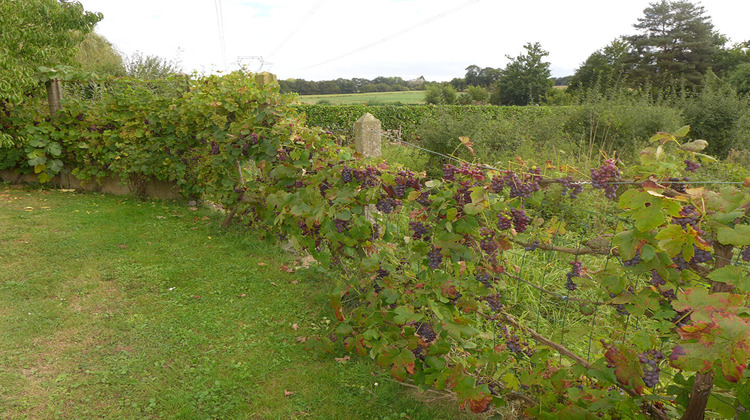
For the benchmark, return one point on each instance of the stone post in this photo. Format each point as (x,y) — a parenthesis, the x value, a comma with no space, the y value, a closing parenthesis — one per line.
(265,78)
(53,96)
(367,136)
(367,142)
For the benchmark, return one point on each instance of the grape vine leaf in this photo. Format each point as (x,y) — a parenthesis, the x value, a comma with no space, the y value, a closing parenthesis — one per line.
(644,208)
(732,275)
(739,236)
(627,368)
(467,390)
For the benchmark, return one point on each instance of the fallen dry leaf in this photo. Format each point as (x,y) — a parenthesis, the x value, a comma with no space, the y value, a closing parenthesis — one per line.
(197,297)
(273,283)
(261,263)
(295,282)
(301,339)
(342,359)
(206,218)
(287,269)
(242,295)
(122,246)
(288,393)
(295,327)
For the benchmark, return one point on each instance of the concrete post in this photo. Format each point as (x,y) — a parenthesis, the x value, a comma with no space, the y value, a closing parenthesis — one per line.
(367,136)
(54,93)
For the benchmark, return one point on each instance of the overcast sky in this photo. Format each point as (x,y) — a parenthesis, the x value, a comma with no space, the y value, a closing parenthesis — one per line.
(328,39)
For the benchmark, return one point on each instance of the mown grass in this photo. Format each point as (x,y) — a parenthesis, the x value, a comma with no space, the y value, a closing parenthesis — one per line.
(116,308)
(374,98)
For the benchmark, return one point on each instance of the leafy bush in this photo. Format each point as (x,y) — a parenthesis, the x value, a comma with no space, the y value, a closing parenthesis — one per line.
(720,114)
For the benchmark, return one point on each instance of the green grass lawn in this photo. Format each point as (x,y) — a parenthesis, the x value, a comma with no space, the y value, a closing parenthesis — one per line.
(375,98)
(116,308)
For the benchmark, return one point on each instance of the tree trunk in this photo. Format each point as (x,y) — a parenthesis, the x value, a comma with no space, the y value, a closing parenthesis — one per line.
(704,382)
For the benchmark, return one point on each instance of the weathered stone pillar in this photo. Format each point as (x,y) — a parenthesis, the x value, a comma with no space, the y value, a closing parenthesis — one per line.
(54,93)
(265,78)
(367,136)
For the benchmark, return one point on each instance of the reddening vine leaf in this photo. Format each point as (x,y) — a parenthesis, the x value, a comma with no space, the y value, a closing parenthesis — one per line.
(627,368)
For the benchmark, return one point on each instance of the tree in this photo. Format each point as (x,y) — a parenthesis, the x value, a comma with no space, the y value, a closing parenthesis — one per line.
(37,33)
(440,95)
(97,55)
(602,68)
(676,43)
(485,77)
(739,78)
(143,66)
(526,79)
(729,58)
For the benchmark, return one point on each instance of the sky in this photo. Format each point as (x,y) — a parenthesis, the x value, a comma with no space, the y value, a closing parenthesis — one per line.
(330,39)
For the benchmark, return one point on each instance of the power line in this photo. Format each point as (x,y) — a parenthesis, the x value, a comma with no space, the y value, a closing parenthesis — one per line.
(396,34)
(299,26)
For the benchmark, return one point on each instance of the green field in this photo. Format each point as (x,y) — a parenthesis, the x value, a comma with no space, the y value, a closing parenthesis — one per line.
(117,308)
(375,98)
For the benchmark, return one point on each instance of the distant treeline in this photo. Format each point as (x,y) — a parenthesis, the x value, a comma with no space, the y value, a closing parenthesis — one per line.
(357,85)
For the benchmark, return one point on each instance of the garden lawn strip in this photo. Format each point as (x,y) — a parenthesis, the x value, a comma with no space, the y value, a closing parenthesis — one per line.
(112,307)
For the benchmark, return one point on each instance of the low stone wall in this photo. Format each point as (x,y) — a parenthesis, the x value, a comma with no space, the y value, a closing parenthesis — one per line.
(108,185)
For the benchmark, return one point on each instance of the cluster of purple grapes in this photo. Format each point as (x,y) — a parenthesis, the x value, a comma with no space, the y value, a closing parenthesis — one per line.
(603,176)
(504,221)
(346,175)
(426,332)
(369,177)
(656,279)
(341,225)
(700,256)
(745,254)
(680,262)
(533,246)
(463,194)
(323,187)
(420,230)
(575,271)
(689,217)
(575,188)
(634,261)
(514,344)
(449,172)
(691,166)
(495,302)
(650,361)
(496,184)
(520,219)
(435,258)
(424,199)
(487,241)
(470,171)
(386,205)
(214,148)
(418,352)
(678,185)
(404,180)
(382,273)
(485,279)
(522,187)
(375,231)
(282,154)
